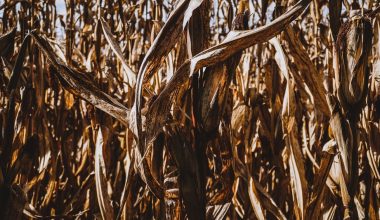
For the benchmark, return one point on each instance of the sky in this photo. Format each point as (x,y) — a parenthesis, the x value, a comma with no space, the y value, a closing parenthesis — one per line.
(61,8)
(60,4)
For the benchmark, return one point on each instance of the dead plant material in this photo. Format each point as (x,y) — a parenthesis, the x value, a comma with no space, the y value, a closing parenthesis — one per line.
(189,109)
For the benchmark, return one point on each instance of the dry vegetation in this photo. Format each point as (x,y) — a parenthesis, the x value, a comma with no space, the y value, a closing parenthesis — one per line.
(190,109)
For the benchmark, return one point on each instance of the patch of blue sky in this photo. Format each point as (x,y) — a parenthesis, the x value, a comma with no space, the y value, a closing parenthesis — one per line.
(61,7)
(61,11)
(1,11)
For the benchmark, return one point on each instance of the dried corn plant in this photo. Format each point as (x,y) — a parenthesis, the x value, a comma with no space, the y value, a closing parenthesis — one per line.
(190,109)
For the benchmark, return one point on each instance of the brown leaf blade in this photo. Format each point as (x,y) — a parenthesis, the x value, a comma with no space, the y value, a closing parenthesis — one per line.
(236,41)
(79,84)
(130,75)
(104,200)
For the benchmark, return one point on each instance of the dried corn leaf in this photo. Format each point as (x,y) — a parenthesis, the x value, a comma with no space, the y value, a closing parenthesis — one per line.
(236,42)
(104,199)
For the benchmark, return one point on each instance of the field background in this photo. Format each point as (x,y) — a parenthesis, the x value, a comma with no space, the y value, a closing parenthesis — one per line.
(189,109)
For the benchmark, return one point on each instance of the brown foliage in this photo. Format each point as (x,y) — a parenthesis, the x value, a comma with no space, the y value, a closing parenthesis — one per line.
(189,109)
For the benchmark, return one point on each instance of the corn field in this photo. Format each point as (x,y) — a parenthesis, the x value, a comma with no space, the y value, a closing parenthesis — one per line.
(190,109)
